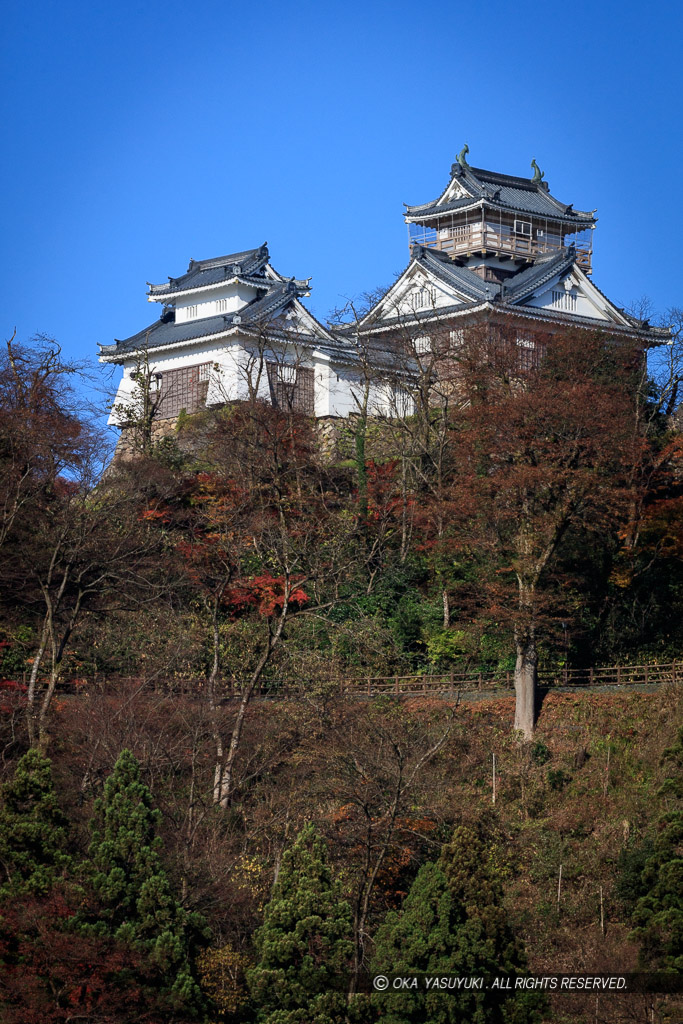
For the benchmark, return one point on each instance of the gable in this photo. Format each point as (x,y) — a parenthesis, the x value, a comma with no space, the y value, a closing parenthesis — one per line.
(454,191)
(572,293)
(299,320)
(416,292)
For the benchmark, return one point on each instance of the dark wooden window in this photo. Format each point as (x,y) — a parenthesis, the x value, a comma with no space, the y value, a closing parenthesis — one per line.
(530,352)
(185,388)
(292,388)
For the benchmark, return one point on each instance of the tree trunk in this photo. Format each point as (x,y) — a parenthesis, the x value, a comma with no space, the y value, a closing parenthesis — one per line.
(31,716)
(223,791)
(225,786)
(526,678)
(362,472)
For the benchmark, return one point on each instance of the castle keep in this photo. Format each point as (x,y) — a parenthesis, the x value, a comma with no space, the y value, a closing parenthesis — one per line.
(492,247)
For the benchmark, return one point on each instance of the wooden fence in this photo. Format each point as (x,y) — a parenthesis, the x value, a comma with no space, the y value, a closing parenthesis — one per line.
(413,685)
(611,675)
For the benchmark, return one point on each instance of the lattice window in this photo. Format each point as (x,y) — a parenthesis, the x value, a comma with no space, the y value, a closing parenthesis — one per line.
(185,388)
(529,352)
(402,402)
(564,300)
(423,344)
(424,297)
(221,305)
(191,312)
(292,388)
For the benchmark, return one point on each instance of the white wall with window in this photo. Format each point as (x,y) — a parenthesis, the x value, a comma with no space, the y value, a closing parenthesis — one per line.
(224,299)
(568,297)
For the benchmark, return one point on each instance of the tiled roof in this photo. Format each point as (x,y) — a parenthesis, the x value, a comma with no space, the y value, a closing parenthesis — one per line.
(275,295)
(506,297)
(504,191)
(279,294)
(453,204)
(543,270)
(201,273)
(513,289)
(461,278)
(164,332)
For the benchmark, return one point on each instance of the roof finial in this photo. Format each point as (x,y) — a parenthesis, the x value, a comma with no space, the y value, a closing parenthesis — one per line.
(462,156)
(539,175)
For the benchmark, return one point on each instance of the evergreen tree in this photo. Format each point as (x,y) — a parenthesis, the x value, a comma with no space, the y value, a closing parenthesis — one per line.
(475,883)
(658,913)
(452,921)
(33,830)
(304,944)
(134,901)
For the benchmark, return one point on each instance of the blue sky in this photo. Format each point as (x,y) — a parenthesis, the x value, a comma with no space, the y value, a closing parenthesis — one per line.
(139,136)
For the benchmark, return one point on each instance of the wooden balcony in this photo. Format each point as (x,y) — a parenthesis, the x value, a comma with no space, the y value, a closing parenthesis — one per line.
(470,239)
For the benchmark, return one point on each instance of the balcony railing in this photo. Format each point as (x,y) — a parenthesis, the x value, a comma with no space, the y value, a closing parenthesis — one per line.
(462,239)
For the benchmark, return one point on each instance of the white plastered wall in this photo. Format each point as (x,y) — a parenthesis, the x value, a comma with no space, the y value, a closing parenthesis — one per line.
(238,368)
(229,298)
(593,306)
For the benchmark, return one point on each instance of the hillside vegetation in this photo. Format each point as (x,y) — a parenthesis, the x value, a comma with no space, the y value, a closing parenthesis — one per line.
(589,795)
(181,840)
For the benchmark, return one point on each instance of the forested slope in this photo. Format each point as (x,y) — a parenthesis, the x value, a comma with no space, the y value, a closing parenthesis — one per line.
(154,802)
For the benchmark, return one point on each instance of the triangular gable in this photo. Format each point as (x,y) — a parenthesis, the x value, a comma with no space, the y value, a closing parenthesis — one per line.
(572,292)
(417,291)
(303,320)
(455,190)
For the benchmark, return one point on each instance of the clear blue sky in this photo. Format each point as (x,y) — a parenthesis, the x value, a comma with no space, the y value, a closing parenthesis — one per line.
(137,136)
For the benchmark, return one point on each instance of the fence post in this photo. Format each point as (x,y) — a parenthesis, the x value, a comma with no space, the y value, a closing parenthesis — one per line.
(673,671)
(369,687)
(591,675)
(618,675)
(566,675)
(507,679)
(479,682)
(646,674)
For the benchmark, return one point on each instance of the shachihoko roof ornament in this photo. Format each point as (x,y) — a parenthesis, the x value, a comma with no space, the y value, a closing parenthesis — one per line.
(539,175)
(462,156)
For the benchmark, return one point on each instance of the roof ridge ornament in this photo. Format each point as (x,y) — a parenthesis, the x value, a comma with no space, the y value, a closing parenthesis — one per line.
(539,175)
(461,158)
